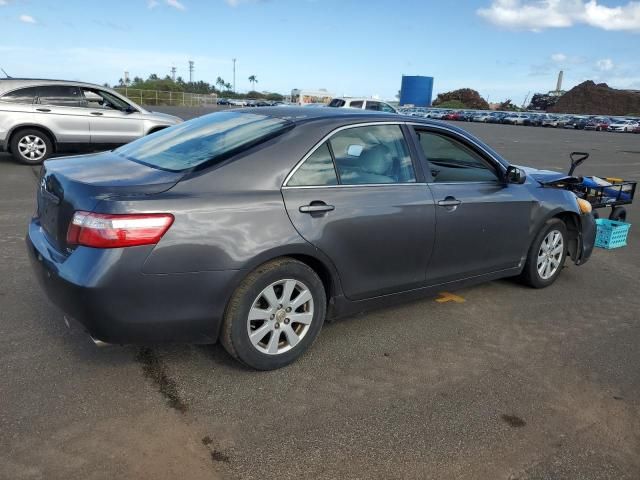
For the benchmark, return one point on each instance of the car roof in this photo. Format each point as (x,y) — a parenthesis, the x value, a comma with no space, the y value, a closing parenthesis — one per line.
(304,114)
(7,84)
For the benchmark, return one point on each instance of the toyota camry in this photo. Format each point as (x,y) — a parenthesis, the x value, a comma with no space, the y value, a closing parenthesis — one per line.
(253,228)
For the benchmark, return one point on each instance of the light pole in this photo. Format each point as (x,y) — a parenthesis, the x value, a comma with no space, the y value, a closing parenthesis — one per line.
(234,75)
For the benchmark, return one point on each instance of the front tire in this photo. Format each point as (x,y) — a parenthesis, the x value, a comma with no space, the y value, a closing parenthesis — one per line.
(31,147)
(274,315)
(546,255)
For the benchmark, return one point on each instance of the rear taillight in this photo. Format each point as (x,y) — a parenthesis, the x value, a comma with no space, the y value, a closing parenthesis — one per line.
(115,231)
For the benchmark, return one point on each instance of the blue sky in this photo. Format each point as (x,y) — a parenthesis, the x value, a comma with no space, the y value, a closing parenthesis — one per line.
(503,48)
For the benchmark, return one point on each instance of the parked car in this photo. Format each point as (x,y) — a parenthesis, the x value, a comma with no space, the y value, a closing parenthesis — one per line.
(237,102)
(253,228)
(363,103)
(516,119)
(599,124)
(42,117)
(482,117)
(223,101)
(622,126)
(636,129)
(576,122)
(497,117)
(550,121)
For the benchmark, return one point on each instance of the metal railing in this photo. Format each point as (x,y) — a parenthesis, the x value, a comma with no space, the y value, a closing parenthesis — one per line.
(158,97)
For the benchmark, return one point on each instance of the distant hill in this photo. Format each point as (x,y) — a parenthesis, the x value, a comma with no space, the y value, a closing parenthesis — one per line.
(598,99)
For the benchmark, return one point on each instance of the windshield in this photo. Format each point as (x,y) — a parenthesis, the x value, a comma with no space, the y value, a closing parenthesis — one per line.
(208,140)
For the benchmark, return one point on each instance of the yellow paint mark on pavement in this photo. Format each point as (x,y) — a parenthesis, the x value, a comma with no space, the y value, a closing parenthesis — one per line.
(449,297)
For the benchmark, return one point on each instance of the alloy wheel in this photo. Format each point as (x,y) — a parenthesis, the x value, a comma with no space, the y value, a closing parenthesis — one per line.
(32,147)
(280,316)
(550,254)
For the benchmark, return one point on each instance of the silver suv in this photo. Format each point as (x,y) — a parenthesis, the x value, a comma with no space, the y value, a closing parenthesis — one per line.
(41,117)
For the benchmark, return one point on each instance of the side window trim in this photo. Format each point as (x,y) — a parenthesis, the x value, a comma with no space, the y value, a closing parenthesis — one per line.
(415,161)
(497,166)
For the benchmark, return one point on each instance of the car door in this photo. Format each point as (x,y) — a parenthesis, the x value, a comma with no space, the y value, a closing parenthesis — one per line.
(60,109)
(359,198)
(113,121)
(482,223)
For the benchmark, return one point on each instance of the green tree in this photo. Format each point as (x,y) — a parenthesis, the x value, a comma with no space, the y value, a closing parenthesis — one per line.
(253,79)
(220,82)
(452,104)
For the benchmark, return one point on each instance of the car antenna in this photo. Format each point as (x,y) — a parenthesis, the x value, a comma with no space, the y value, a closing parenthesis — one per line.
(5,73)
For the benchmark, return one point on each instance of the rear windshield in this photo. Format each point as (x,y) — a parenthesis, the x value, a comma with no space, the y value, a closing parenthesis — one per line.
(203,141)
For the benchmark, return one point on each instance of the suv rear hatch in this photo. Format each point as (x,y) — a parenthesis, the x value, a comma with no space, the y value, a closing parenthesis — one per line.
(79,183)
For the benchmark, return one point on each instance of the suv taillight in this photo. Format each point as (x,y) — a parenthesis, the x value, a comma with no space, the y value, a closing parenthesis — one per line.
(100,230)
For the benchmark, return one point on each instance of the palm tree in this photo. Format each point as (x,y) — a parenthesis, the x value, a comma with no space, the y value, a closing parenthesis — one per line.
(228,86)
(253,79)
(220,82)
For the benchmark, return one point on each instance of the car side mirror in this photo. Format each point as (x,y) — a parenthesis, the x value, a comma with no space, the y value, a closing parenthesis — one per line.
(129,109)
(515,175)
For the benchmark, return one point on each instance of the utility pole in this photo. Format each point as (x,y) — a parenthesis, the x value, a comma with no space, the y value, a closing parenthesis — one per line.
(126,78)
(234,75)
(173,73)
(190,71)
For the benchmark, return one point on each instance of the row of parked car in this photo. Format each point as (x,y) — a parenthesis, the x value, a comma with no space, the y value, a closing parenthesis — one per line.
(243,102)
(579,122)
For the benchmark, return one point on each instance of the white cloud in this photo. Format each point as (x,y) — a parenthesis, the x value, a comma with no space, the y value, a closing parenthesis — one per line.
(559,57)
(605,65)
(625,18)
(175,4)
(151,4)
(3,3)
(536,15)
(27,19)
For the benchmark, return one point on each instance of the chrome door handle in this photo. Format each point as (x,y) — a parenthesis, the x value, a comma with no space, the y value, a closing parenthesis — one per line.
(449,202)
(318,208)
(43,109)
(96,113)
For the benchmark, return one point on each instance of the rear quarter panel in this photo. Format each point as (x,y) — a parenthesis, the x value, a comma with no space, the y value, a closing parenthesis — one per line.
(12,115)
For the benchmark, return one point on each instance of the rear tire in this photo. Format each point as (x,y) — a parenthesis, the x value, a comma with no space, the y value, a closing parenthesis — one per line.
(274,315)
(30,146)
(546,255)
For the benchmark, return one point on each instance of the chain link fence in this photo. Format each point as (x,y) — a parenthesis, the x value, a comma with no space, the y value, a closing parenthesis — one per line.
(157,97)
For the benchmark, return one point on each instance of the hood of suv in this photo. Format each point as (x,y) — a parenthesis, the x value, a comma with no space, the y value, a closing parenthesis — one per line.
(164,118)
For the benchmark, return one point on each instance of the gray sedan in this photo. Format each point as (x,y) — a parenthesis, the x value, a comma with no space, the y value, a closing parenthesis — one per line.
(253,228)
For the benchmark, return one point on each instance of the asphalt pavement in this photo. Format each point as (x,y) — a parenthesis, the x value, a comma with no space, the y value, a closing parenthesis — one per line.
(506,382)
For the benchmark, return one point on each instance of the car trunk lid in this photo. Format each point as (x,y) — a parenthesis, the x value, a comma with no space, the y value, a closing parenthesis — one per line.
(79,183)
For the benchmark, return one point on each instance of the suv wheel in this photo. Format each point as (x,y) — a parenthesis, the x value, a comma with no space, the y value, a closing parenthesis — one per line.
(546,255)
(274,315)
(31,146)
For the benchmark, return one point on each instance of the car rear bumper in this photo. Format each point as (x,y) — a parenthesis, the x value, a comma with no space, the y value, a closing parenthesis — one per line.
(106,292)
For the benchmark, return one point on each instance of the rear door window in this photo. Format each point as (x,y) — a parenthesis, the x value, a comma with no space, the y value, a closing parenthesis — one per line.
(372,155)
(356,104)
(336,102)
(60,95)
(22,95)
